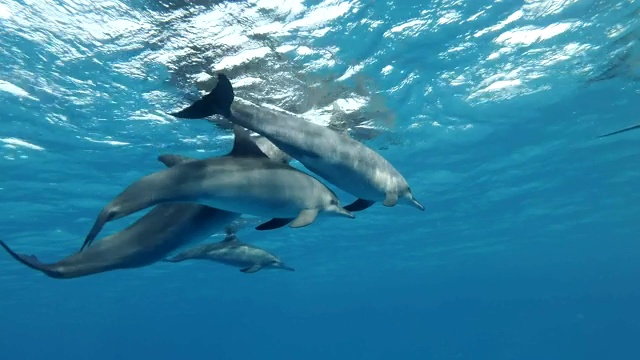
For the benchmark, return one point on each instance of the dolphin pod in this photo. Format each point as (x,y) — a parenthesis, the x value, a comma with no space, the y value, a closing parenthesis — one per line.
(164,229)
(195,198)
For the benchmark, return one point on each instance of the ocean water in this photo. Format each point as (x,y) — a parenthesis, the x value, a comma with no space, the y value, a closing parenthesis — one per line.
(528,248)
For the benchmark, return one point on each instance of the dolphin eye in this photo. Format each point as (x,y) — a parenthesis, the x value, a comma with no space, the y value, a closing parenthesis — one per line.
(334,202)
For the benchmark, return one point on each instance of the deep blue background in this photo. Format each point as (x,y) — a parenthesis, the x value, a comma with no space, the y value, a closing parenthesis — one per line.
(528,249)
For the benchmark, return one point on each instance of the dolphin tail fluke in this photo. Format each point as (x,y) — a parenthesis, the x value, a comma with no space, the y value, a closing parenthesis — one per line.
(217,102)
(32,262)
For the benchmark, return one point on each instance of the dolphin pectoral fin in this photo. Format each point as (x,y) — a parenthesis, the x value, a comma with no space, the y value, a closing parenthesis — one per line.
(274,223)
(390,200)
(251,270)
(104,217)
(217,102)
(359,205)
(306,217)
(170,160)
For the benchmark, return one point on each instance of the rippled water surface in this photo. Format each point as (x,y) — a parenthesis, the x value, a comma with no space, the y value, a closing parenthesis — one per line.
(528,248)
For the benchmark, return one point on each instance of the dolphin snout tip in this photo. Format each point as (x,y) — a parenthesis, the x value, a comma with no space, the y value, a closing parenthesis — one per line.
(417,205)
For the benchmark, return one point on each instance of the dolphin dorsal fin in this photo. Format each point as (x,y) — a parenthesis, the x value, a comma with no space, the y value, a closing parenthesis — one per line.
(230,234)
(170,160)
(230,238)
(243,144)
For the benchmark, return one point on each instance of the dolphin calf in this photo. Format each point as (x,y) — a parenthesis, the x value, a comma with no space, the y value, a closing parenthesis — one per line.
(164,229)
(234,252)
(339,159)
(246,181)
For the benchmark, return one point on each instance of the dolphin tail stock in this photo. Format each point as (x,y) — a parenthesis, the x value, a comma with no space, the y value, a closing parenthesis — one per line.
(32,262)
(217,102)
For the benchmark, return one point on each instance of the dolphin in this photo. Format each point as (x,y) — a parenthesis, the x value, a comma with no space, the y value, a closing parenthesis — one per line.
(164,229)
(339,159)
(245,182)
(234,252)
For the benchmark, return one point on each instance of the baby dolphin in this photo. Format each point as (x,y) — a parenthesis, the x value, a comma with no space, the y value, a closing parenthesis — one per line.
(164,229)
(234,252)
(339,159)
(246,181)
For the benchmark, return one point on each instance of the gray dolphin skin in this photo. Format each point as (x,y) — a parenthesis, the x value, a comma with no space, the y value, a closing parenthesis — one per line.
(246,182)
(339,159)
(164,229)
(233,252)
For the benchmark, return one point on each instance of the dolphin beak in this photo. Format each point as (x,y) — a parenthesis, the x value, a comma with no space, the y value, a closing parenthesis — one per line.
(415,203)
(288,268)
(344,212)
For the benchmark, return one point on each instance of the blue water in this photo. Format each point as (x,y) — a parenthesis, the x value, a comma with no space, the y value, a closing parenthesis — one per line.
(528,248)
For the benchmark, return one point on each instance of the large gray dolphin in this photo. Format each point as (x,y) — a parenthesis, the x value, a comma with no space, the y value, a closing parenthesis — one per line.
(339,159)
(248,182)
(234,252)
(164,229)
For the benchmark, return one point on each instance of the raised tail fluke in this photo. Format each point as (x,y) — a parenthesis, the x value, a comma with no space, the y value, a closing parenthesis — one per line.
(217,102)
(32,262)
